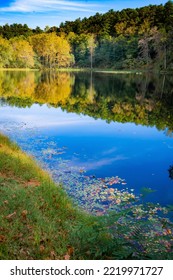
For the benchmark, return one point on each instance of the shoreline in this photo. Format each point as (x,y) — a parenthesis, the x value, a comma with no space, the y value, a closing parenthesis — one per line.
(94,70)
(39,221)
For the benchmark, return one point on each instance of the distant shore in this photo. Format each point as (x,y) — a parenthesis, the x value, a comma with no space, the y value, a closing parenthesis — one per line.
(95,70)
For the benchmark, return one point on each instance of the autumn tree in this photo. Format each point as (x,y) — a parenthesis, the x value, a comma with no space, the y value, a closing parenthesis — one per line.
(5,52)
(91,46)
(64,57)
(22,53)
(52,50)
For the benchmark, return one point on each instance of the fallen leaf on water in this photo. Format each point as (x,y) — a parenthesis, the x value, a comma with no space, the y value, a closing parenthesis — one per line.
(168,231)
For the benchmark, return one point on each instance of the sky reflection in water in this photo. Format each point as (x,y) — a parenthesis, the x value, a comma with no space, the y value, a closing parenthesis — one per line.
(78,149)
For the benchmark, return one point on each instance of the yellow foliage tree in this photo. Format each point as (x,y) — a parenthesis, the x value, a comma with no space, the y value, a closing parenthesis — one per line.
(5,52)
(52,50)
(22,53)
(120,27)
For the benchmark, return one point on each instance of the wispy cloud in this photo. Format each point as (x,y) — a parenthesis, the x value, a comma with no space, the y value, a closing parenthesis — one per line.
(47,6)
(102,162)
(110,151)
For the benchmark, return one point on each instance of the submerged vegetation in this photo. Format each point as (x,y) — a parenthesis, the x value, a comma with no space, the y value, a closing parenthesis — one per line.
(38,221)
(128,39)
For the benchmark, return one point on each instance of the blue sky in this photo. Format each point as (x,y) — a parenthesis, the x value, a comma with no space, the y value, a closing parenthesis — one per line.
(53,12)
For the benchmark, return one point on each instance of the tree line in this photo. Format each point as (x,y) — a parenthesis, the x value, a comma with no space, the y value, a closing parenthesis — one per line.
(37,51)
(127,39)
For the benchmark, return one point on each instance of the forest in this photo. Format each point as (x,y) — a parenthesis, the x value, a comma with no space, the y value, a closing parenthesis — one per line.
(138,38)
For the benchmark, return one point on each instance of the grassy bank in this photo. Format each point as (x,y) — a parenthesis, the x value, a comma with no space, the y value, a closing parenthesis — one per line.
(38,220)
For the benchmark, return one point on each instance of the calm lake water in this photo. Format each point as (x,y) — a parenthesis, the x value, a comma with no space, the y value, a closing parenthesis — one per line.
(94,131)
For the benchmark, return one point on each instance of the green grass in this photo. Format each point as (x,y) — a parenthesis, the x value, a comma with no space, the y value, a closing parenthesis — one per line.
(38,220)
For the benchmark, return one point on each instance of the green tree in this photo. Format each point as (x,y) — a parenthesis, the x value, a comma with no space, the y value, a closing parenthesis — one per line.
(168,12)
(15,30)
(80,48)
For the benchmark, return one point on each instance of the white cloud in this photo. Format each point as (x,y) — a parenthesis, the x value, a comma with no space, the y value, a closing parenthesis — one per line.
(35,117)
(92,165)
(47,6)
(110,151)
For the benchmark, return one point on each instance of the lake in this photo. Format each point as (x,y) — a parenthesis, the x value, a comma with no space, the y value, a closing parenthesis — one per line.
(94,132)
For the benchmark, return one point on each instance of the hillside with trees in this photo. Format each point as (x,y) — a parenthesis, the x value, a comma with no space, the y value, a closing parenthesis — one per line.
(128,39)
